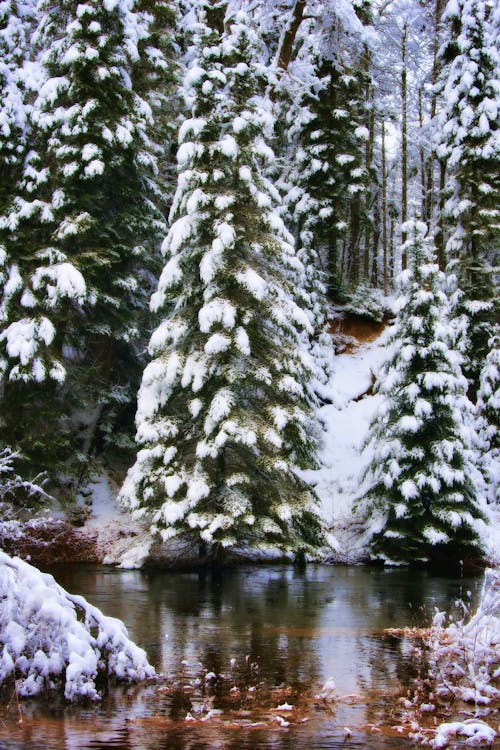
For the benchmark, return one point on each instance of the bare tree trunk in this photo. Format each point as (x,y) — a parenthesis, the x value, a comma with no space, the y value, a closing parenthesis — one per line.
(422,154)
(343,264)
(376,237)
(404,137)
(369,192)
(384,210)
(287,40)
(429,198)
(367,59)
(354,248)
(391,250)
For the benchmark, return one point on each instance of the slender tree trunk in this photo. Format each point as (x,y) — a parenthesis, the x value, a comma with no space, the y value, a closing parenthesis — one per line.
(287,40)
(404,136)
(367,59)
(429,197)
(369,195)
(342,265)
(422,154)
(391,251)
(384,210)
(376,237)
(353,243)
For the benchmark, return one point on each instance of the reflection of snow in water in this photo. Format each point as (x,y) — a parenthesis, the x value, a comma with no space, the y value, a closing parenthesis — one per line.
(256,643)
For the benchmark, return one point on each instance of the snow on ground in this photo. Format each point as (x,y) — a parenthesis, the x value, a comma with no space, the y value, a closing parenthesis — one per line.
(346,418)
(343,457)
(121,540)
(50,638)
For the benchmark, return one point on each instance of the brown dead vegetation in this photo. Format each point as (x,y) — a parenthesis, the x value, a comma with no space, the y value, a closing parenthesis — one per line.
(53,542)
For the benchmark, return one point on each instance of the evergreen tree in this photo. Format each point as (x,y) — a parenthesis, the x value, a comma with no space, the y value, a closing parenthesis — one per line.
(423,500)
(224,410)
(470,148)
(155,81)
(76,230)
(328,175)
(488,411)
(16,20)
(310,291)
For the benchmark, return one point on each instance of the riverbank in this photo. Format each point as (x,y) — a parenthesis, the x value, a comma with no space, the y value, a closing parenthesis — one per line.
(98,531)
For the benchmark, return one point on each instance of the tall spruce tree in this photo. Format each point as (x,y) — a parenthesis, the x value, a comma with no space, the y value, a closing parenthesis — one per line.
(469,147)
(488,412)
(328,174)
(224,410)
(155,80)
(16,21)
(76,231)
(423,504)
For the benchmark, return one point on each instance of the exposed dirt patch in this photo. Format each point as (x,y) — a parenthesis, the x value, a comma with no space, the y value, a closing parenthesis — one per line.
(354,330)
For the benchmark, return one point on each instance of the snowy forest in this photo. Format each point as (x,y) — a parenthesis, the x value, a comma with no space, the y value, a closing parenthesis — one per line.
(191,194)
(249,314)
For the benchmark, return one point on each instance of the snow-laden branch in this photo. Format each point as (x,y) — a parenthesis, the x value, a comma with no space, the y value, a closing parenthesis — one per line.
(11,483)
(464,655)
(50,639)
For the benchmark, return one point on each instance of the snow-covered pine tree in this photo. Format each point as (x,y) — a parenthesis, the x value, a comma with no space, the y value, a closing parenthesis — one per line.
(224,412)
(488,412)
(76,229)
(16,20)
(310,291)
(422,504)
(468,127)
(328,171)
(155,80)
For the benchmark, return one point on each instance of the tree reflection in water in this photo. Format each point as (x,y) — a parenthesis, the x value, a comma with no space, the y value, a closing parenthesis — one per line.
(236,645)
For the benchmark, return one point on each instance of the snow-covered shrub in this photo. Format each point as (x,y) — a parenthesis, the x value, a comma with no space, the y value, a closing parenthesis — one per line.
(368,303)
(475,732)
(50,639)
(464,656)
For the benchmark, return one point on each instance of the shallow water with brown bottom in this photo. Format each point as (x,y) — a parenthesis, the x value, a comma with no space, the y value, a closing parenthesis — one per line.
(252,658)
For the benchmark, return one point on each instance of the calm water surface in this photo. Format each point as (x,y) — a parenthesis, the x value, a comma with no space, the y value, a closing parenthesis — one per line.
(234,647)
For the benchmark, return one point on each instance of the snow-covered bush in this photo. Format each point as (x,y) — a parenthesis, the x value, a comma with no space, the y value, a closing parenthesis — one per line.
(475,732)
(50,639)
(368,303)
(464,656)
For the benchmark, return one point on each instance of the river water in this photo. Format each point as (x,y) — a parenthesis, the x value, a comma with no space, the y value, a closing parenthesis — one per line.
(252,658)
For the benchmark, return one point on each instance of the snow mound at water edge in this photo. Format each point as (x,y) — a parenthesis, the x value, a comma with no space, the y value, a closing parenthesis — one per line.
(51,639)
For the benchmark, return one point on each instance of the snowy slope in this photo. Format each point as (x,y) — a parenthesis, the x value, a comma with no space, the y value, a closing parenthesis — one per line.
(343,458)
